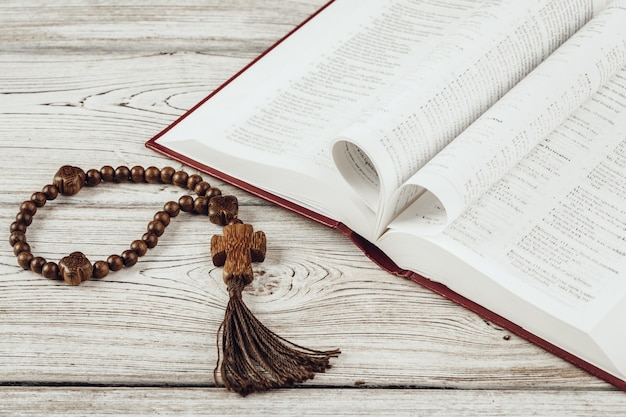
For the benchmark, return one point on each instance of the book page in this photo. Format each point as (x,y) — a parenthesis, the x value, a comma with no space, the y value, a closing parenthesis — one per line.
(284,110)
(557,220)
(551,232)
(504,134)
(467,72)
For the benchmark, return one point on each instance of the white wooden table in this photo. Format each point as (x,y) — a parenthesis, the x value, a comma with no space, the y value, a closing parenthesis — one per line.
(87,83)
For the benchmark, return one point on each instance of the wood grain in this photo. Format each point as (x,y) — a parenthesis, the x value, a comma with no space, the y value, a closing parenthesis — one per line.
(88,86)
(191,401)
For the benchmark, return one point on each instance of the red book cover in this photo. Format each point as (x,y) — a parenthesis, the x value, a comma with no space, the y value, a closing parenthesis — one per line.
(369,249)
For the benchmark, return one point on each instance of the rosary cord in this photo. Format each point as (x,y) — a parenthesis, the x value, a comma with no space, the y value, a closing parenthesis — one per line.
(69,180)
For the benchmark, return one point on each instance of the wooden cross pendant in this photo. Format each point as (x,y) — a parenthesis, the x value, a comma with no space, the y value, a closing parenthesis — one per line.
(236,250)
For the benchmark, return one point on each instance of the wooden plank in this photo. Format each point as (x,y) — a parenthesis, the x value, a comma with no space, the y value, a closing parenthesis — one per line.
(242,27)
(137,401)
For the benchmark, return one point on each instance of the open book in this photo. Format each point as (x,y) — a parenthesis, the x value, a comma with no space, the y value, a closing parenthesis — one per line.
(476,147)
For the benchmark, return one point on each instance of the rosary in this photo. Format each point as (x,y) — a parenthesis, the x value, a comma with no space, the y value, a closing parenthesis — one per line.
(253,357)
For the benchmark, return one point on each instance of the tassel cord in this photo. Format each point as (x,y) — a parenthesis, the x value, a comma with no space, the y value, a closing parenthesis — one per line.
(257,359)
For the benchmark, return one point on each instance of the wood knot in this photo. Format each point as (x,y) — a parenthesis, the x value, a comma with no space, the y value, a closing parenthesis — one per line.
(75,268)
(69,179)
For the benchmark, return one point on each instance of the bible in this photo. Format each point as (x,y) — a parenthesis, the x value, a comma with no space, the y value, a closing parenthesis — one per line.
(475,147)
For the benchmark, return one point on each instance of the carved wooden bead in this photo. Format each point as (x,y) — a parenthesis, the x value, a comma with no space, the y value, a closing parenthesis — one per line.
(137,174)
(163,217)
(156,227)
(152,175)
(180,178)
(222,209)
(115,262)
(93,177)
(108,173)
(186,203)
(140,247)
(75,268)
(24,218)
(39,199)
(20,247)
(172,208)
(36,264)
(122,173)
(201,188)
(193,180)
(100,269)
(129,257)
(69,179)
(18,227)
(29,207)
(151,239)
(166,175)
(24,258)
(201,205)
(50,270)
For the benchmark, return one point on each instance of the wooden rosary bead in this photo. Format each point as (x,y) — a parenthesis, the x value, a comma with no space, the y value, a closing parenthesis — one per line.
(17,236)
(69,179)
(115,262)
(213,192)
(39,199)
(172,208)
(28,207)
(51,191)
(20,247)
(137,174)
(201,205)
(18,227)
(108,173)
(193,180)
(129,258)
(100,269)
(24,218)
(163,217)
(50,270)
(75,268)
(37,263)
(122,173)
(152,175)
(139,246)
(93,177)
(166,175)
(201,188)
(156,227)
(180,178)
(186,203)
(151,239)
(24,258)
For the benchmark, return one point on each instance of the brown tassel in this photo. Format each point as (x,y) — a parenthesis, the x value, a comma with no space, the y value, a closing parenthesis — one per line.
(257,359)
(254,357)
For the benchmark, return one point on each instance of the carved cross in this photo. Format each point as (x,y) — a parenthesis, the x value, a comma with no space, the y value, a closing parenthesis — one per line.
(236,250)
